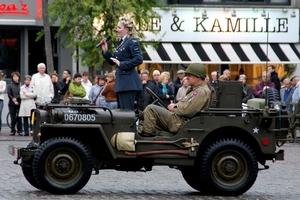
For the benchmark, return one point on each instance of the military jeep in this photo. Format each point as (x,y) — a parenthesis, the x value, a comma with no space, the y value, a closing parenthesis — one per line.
(219,150)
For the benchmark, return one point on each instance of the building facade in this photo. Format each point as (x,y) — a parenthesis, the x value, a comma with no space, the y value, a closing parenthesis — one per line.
(227,34)
(20,21)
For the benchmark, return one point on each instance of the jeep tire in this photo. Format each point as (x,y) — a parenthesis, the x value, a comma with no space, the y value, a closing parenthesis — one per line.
(228,167)
(28,171)
(62,165)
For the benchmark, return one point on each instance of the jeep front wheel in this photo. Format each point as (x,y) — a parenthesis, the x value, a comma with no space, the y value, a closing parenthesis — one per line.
(62,165)
(228,167)
(27,170)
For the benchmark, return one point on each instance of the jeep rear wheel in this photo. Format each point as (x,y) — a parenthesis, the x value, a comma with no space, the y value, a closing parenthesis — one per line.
(228,167)
(192,177)
(62,165)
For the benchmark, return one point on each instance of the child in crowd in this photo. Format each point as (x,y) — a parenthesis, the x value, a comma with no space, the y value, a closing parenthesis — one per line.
(27,95)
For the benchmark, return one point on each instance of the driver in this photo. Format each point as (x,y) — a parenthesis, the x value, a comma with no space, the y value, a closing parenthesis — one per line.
(197,98)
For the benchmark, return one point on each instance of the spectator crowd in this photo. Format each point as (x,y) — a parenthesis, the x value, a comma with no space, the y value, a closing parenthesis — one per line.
(42,88)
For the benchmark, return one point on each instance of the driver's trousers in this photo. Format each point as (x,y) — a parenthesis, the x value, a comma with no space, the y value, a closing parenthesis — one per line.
(157,118)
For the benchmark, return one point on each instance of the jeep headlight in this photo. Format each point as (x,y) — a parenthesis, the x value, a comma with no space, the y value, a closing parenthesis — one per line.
(32,118)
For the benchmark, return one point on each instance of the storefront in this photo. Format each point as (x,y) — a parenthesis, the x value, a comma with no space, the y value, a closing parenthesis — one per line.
(234,38)
(20,21)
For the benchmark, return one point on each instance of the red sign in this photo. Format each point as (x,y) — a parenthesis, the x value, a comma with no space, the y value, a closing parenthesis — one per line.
(13,9)
(39,9)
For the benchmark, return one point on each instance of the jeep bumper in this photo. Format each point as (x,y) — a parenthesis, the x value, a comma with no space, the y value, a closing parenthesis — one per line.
(19,152)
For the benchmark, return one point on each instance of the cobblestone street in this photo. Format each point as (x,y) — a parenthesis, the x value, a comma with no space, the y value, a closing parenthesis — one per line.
(281,181)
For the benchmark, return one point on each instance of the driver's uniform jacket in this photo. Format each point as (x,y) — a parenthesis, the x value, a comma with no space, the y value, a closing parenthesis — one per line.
(197,98)
(159,119)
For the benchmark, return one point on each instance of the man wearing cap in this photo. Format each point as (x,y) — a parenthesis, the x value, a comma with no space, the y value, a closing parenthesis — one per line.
(198,97)
(178,81)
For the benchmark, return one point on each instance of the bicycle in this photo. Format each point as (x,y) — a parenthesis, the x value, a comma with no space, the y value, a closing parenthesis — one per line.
(8,120)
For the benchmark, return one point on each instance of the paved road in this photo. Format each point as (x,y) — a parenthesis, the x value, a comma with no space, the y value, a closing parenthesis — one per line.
(281,181)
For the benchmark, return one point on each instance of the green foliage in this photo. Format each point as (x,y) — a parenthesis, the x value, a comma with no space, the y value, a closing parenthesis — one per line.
(77,17)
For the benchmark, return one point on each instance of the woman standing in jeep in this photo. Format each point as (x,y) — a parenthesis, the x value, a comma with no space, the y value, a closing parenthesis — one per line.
(127,56)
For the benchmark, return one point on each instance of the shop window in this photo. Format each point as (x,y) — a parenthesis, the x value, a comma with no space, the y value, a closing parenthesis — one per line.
(10,51)
(237,2)
(255,1)
(211,1)
(279,1)
(36,50)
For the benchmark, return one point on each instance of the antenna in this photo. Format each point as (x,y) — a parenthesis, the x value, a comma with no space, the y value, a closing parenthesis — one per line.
(267,53)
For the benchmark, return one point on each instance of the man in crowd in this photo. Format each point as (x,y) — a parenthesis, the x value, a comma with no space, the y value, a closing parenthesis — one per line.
(214,79)
(286,94)
(247,89)
(143,97)
(178,81)
(155,76)
(261,86)
(227,73)
(63,84)
(296,94)
(42,84)
(54,79)
(274,77)
(198,97)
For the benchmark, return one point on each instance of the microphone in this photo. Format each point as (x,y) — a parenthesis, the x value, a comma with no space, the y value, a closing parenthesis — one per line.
(102,41)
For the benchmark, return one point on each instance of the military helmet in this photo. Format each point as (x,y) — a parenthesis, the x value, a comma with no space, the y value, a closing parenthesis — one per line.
(196,69)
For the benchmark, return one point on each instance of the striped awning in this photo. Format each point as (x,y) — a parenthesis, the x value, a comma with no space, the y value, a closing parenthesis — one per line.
(223,53)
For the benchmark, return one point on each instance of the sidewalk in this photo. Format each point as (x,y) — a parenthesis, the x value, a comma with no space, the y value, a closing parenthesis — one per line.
(5,135)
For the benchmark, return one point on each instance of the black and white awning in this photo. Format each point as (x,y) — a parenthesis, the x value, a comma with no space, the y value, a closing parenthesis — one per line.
(223,53)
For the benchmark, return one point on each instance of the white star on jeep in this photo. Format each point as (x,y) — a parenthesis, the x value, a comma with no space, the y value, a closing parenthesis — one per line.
(255,130)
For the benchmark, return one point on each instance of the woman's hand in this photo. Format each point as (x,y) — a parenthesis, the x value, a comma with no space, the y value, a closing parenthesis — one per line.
(115,61)
(104,47)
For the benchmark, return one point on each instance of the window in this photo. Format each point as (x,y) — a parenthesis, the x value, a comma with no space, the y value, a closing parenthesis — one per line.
(279,1)
(10,51)
(237,2)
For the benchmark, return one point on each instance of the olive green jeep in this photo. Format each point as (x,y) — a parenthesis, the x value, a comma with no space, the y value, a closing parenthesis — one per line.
(218,150)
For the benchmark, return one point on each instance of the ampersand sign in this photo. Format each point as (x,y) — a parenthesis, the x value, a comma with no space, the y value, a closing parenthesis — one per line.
(177,27)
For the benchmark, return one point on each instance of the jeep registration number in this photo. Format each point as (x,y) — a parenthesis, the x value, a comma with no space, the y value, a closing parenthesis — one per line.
(80,117)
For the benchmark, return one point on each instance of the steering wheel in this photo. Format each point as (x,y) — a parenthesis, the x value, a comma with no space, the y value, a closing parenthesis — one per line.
(156,99)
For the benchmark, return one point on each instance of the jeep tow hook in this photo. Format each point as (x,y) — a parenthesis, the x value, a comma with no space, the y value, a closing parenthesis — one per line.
(264,167)
(16,162)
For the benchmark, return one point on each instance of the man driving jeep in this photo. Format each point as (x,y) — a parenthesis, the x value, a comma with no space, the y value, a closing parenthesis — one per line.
(197,98)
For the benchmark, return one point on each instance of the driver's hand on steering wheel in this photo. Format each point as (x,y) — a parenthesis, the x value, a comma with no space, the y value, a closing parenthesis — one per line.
(171,107)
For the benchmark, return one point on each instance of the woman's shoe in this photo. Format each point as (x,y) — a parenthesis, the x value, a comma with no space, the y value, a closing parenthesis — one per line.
(20,134)
(12,133)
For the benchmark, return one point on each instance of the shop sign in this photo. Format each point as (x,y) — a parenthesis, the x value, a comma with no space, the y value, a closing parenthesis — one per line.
(225,25)
(13,9)
(20,8)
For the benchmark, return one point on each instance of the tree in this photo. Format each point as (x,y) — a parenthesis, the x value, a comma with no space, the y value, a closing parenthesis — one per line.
(88,22)
(47,34)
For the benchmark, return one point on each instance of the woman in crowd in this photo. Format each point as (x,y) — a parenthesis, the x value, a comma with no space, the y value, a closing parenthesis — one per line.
(108,92)
(27,94)
(163,91)
(86,83)
(76,89)
(2,90)
(13,92)
(95,94)
(183,89)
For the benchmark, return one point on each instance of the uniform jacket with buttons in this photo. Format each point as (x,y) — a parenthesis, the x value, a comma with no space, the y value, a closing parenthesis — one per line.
(130,55)
(196,99)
